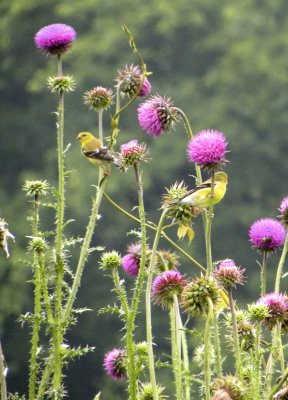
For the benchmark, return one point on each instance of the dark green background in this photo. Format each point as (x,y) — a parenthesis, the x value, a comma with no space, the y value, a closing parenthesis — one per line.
(224,62)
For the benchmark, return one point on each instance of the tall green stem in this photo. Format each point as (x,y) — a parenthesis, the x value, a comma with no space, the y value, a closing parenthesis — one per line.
(176,351)
(264,273)
(235,334)
(207,350)
(148,306)
(257,365)
(209,228)
(33,365)
(217,345)
(59,265)
(281,264)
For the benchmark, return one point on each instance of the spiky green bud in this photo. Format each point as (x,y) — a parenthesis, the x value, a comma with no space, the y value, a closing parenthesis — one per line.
(36,188)
(110,260)
(38,245)
(61,84)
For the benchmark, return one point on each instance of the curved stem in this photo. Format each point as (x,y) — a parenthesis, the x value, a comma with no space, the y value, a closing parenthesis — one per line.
(279,384)
(185,121)
(163,234)
(281,264)
(148,306)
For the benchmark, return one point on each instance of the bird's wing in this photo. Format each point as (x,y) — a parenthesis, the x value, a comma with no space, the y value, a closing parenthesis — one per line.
(102,154)
(204,185)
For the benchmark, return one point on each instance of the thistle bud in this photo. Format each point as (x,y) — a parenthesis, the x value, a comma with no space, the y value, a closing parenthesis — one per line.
(110,260)
(61,84)
(98,98)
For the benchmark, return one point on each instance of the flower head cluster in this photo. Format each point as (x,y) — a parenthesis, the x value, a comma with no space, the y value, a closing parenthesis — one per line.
(228,387)
(55,38)
(228,274)
(115,364)
(129,80)
(267,234)
(36,188)
(98,98)
(166,285)
(207,149)
(182,213)
(146,392)
(156,115)
(132,153)
(167,260)
(110,260)
(61,84)
(131,261)
(258,312)
(196,294)
(277,304)
(284,211)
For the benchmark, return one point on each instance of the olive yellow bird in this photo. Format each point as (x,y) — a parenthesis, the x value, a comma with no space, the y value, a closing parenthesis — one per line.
(94,150)
(201,197)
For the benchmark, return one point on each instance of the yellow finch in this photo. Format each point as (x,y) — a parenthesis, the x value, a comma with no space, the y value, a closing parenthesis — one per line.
(201,197)
(94,150)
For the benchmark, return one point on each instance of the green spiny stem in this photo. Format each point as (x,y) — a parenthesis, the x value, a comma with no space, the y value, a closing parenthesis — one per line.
(57,331)
(186,367)
(45,379)
(152,227)
(207,350)
(209,228)
(33,365)
(45,291)
(281,264)
(148,306)
(257,364)
(178,332)
(264,273)
(217,345)
(280,346)
(279,385)
(175,356)
(3,375)
(237,350)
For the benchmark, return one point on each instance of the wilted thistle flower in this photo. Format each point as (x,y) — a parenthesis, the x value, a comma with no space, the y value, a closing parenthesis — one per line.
(258,312)
(207,149)
(228,274)
(132,153)
(277,304)
(166,260)
(131,261)
(146,392)
(110,260)
(129,80)
(55,38)
(267,235)
(5,234)
(196,294)
(98,98)
(156,115)
(36,188)
(60,84)
(228,387)
(115,364)
(38,245)
(199,353)
(282,394)
(165,286)
(284,211)
(182,213)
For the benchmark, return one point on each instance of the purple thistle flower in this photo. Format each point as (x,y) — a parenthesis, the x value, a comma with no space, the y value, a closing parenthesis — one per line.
(131,261)
(267,234)
(156,115)
(207,149)
(55,38)
(115,364)
(277,304)
(228,274)
(284,211)
(166,285)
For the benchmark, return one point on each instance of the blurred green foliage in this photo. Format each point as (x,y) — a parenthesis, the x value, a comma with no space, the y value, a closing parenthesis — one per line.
(223,62)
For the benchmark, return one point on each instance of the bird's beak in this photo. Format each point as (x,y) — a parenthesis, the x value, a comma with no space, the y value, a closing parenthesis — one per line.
(78,137)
